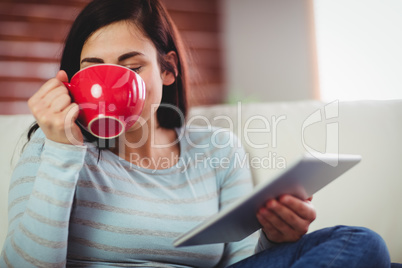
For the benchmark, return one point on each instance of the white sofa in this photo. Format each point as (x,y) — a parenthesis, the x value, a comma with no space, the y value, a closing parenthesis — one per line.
(368,195)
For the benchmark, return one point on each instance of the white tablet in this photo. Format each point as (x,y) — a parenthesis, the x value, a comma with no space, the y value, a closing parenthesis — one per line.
(302,178)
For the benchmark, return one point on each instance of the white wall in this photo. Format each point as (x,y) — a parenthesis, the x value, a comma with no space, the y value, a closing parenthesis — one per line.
(359,46)
(269,49)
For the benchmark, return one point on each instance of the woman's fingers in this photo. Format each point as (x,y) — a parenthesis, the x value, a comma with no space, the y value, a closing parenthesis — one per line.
(55,100)
(303,208)
(287,225)
(290,217)
(49,86)
(55,95)
(286,219)
(60,101)
(72,132)
(71,113)
(54,112)
(274,233)
(45,89)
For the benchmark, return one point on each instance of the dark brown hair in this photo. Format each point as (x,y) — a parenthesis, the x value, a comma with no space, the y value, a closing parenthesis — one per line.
(152,18)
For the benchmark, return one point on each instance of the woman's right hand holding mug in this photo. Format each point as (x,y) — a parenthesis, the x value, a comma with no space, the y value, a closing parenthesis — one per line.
(55,113)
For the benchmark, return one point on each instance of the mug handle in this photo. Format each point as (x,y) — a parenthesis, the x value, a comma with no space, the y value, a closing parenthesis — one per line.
(68,85)
(70,88)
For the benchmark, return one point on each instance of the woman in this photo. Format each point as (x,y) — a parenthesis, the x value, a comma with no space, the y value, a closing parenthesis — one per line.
(73,204)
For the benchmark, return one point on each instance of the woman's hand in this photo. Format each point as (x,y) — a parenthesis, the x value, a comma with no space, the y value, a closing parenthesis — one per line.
(286,219)
(55,114)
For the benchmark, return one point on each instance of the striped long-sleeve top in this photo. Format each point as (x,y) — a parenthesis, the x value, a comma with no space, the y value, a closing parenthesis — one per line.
(68,207)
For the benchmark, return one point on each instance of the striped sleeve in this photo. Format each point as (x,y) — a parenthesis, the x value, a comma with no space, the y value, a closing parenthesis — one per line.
(236,182)
(263,243)
(40,199)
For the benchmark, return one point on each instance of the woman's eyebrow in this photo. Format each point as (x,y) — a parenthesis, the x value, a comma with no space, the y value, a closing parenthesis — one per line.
(120,58)
(92,60)
(129,55)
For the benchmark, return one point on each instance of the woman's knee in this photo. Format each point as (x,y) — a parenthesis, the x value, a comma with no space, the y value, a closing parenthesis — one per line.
(369,242)
(364,235)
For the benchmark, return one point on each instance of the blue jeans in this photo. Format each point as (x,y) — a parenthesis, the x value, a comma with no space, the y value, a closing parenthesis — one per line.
(339,246)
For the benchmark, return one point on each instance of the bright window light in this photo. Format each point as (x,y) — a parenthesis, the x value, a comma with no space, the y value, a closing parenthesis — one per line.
(359,45)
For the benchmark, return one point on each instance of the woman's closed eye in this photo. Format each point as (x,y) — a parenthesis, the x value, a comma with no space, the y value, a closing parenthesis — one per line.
(137,69)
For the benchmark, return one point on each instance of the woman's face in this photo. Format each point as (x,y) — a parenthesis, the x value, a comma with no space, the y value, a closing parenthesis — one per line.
(124,44)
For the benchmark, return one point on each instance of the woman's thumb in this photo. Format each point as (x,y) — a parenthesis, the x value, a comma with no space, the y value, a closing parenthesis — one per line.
(62,76)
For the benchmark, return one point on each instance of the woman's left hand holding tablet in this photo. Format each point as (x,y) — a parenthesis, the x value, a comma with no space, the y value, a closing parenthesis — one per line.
(286,219)
(55,113)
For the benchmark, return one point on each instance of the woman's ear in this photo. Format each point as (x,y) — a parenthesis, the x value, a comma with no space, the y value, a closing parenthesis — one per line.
(167,76)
